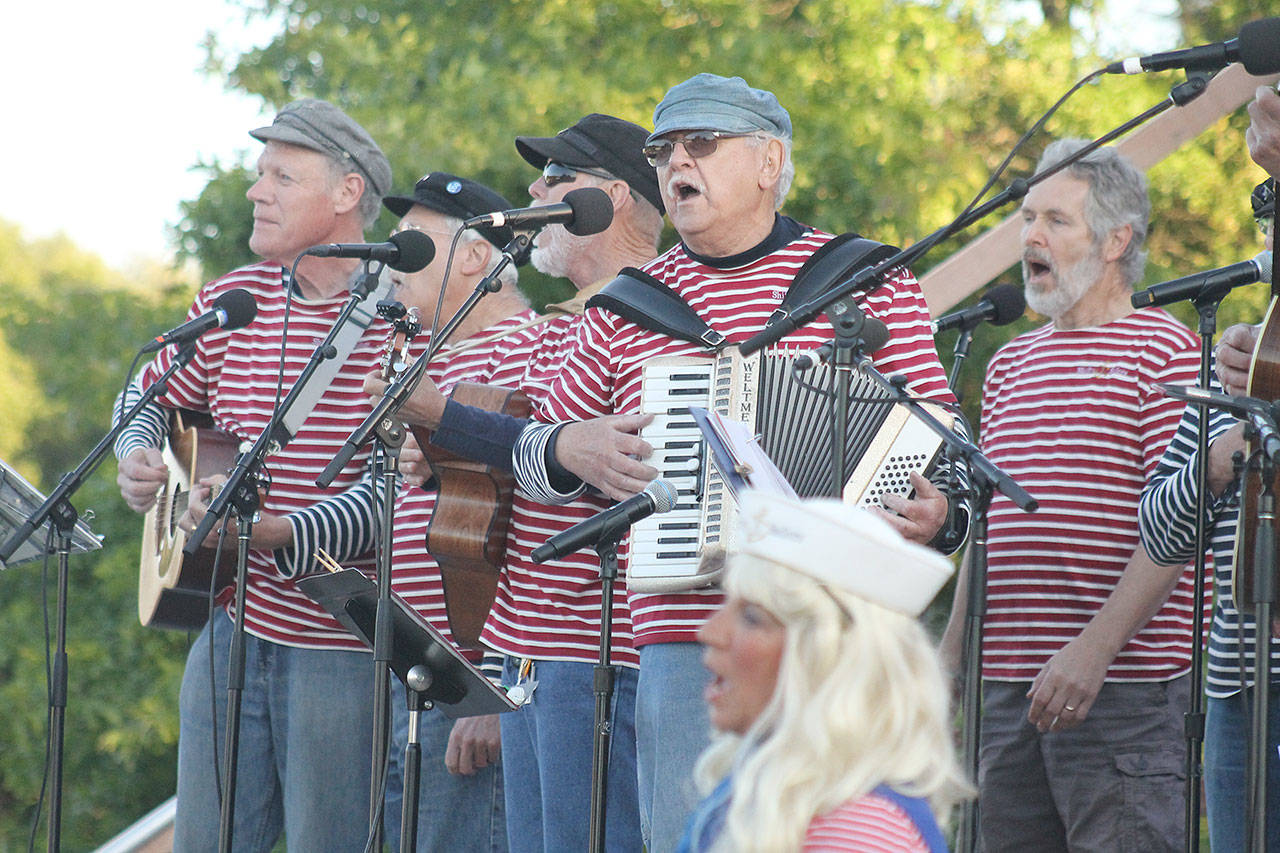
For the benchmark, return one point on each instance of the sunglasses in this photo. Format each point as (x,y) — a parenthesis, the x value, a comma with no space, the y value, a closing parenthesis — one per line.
(698,143)
(1266,224)
(558,173)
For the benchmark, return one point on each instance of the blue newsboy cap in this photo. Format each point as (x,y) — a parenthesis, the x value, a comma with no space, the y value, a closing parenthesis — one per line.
(711,102)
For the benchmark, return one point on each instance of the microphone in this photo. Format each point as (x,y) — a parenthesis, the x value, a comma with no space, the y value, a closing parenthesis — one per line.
(1258,412)
(406,251)
(582,211)
(1257,46)
(1002,304)
(232,310)
(1213,284)
(658,496)
(875,334)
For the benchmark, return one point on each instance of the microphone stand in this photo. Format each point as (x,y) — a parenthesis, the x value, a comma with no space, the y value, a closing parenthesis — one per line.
(786,321)
(606,549)
(958,355)
(241,489)
(399,391)
(1194,721)
(57,509)
(391,435)
(848,321)
(1264,599)
(987,477)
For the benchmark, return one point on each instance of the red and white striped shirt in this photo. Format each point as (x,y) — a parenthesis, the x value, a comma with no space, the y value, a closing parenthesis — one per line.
(870,824)
(1075,418)
(502,357)
(552,610)
(234,376)
(603,373)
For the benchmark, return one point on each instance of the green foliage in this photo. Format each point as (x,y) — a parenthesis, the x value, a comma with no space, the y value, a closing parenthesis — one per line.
(68,327)
(214,229)
(901,109)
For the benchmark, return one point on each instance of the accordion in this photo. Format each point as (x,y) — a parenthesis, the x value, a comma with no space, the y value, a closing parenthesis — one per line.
(791,415)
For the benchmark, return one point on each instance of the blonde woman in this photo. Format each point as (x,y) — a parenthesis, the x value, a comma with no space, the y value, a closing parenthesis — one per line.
(827,695)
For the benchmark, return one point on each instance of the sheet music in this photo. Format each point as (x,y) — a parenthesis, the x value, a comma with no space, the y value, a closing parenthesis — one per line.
(738,456)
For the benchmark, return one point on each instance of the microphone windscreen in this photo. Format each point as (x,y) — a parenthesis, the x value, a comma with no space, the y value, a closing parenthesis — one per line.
(875,334)
(1009,301)
(416,250)
(1259,45)
(665,496)
(240,308)
(592,211)
(1263,260)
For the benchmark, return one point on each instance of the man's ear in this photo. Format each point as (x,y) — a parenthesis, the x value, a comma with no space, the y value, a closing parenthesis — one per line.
(347,195)
(771,168)
(1117,242)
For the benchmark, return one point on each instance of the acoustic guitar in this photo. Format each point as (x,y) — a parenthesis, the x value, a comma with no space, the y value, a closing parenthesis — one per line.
(467,534)
(173,589)
(1264,383)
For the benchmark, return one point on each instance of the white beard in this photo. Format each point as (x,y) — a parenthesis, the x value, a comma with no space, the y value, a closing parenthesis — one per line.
(1070,284)
(555,250)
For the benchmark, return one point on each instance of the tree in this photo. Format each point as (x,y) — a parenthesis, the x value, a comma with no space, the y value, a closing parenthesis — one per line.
(68,328)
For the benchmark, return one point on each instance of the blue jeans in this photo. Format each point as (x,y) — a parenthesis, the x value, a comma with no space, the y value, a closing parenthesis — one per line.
(672,729)
(1228,731)
(460,814)
(306,740)
(547,748)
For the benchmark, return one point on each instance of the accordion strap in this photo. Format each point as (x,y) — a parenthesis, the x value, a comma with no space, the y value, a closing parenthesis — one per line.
(644,300)
(639,297)
(835,261)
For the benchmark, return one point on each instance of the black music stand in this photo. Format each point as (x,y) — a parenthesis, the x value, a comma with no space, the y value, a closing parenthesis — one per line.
(434,673)
(18,502)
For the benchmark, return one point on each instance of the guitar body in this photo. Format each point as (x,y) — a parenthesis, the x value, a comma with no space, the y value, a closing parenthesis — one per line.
(467,534)
(1264,383)
(173,589)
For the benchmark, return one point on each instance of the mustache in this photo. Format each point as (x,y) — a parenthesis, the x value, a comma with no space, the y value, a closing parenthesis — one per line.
(676,181)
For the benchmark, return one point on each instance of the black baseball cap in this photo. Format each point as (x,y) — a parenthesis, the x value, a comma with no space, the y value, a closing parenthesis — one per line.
(598,141)
(458,197)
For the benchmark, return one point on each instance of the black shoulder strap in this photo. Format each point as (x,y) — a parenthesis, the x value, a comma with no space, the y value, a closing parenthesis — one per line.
(834,262)
(639,297)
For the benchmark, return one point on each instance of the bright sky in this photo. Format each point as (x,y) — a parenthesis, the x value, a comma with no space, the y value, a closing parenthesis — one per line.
(106,110)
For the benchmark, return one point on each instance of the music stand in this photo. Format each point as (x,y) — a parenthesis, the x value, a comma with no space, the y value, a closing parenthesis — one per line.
(460,688)
(18,501)
(431,669)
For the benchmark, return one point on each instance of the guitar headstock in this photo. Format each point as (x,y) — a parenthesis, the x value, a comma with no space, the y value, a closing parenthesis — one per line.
(405,326)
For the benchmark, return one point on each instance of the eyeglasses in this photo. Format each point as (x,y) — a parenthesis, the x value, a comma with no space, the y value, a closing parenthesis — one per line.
(558,173)
(699,143)
(1266,224)
(408,226)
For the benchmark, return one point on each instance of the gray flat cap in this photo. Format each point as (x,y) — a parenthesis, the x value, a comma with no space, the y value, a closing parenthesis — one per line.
(320,126)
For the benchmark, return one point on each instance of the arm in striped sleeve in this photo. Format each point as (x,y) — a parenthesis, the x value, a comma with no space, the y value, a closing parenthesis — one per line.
(149,428)
(1167,509)
(534,458)
(343,525)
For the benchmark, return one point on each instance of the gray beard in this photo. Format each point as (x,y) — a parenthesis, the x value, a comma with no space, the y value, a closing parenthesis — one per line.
(1072,283)
(554,250)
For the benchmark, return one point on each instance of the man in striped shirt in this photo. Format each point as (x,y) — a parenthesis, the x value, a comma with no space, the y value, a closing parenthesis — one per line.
(305,735)
(1168,529)
(722,153)
(545,620)
(460,803)
(1087,641)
